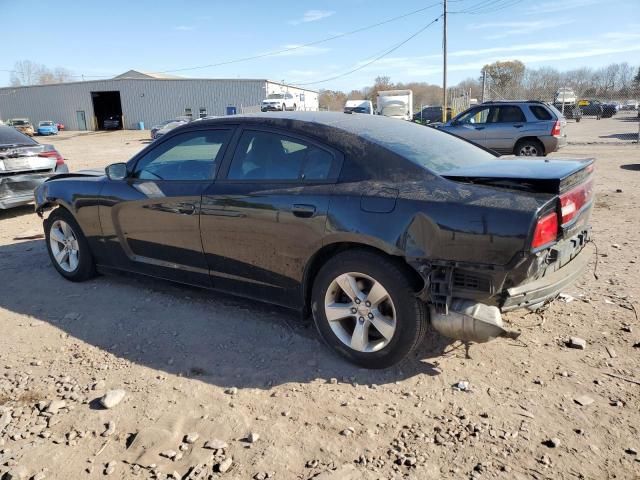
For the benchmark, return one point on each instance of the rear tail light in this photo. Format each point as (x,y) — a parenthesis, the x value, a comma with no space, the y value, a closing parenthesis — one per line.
(546,230)
(53,154)
(572,201)
(555,131)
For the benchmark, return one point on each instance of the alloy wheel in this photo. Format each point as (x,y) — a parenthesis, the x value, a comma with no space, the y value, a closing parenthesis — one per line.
(360,312)
(64,246)
(529,151)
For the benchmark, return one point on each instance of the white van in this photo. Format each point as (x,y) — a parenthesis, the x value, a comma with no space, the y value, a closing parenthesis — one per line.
(358,106)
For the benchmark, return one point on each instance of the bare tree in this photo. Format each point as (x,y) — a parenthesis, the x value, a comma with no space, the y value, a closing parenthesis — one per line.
(25,72)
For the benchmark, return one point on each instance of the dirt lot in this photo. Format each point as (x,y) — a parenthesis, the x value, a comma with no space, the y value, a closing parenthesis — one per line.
(192,361)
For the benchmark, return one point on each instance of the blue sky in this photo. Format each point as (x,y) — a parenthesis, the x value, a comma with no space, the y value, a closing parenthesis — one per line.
(105,38)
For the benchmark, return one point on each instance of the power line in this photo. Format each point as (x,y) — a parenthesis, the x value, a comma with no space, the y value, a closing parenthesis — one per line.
(375,59)
(305,45)
(285,50)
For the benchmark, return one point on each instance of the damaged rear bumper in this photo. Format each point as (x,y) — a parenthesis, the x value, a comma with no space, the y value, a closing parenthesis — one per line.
(17,190)
(548,287)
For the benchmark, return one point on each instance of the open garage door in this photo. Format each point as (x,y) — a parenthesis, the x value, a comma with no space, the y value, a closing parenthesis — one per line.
(107,109)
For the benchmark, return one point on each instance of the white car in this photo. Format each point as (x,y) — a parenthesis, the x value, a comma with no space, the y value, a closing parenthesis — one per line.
(630,105)
(358,106)
(565,95)
(279,101)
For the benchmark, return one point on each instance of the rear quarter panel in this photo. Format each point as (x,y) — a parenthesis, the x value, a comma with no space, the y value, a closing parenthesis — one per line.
(437,220)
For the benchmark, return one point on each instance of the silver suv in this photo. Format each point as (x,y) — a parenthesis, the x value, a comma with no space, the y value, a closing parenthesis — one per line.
(529,128)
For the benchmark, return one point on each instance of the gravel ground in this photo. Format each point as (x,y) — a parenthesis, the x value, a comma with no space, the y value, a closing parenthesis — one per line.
(220,387)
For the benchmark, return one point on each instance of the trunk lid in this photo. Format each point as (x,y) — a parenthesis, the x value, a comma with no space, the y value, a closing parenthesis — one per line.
(22,159)
(554,176)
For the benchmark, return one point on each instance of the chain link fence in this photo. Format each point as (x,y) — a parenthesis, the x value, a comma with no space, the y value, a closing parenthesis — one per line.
(602,115)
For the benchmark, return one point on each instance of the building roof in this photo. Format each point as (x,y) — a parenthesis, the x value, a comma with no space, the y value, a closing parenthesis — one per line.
(145,75)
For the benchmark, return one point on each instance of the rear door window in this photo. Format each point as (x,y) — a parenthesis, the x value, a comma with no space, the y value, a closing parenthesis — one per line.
(510,114)
(269,156)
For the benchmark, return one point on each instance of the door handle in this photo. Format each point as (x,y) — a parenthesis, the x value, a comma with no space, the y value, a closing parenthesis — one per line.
(519,126)
(186,209)
(303,211)
(479,128)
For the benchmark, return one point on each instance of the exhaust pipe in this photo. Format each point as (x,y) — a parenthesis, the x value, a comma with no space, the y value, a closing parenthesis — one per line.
(471,322)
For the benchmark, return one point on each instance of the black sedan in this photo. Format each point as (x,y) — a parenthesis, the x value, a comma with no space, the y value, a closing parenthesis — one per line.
(375,226)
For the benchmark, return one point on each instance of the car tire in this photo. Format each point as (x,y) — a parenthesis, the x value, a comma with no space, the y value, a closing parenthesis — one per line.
(67,246)
(529,148)
(355,336)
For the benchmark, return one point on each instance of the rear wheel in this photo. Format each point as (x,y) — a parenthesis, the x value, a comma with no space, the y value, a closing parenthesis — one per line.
(68,247)
(365,308)
(529,148)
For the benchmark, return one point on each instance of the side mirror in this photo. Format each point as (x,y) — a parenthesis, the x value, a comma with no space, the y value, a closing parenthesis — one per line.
(116,171)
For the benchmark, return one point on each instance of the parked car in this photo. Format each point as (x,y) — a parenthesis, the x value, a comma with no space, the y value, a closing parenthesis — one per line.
(597,108)
(60,126)
(155,128)
(22,125)
(565,95)
(630,105)
(359,106)
(279,101)
(112,122)
(431,115)
(528,128)
(366,222)
(47,127)
(569,111)
(168,127)
(24,164)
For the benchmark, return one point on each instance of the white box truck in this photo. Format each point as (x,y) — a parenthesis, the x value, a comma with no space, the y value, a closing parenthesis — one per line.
(395,104)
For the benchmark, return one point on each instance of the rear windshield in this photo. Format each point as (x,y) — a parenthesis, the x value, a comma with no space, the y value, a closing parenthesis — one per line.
(435,150)
(11,136)
(19,122)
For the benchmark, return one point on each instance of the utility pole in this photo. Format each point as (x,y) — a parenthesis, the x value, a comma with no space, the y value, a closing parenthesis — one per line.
(444,63)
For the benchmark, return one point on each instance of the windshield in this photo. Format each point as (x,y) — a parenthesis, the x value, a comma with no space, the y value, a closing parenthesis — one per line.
(46,124)
(276,95)
(11,136)
(19,122)
(433,149)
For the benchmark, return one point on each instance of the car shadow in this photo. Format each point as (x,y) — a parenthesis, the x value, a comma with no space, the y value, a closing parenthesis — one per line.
(622,136)
(631,166)
(219,339)
(16,212)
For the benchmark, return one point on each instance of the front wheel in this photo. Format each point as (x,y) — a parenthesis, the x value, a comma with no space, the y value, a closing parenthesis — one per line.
(68,247)
(365,308)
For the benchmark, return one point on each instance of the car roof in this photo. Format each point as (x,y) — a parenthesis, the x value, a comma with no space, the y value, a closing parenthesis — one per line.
(502,102)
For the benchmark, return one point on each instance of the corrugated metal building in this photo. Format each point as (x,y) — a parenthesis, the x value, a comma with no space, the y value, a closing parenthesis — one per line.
(141,97)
